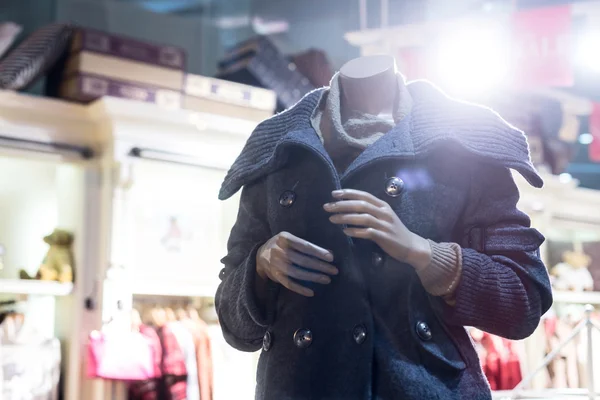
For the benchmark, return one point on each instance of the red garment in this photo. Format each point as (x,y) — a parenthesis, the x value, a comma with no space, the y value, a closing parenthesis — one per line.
(149,389)
(500,363)
(510,374)
(199,330)
(174,382)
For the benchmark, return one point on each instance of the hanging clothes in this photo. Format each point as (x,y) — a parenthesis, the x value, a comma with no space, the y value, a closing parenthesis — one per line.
(500,361)
(199,330)
(188,348)
(174,382)
(149,389)
(29,362)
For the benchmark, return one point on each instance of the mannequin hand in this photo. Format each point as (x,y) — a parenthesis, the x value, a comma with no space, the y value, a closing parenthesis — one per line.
(280,258)
(371,218)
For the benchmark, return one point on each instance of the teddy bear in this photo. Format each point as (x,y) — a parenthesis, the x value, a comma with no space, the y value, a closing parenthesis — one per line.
(58,264)
(573,274)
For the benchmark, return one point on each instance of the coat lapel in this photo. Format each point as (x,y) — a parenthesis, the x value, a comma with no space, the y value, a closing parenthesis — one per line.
(434,121)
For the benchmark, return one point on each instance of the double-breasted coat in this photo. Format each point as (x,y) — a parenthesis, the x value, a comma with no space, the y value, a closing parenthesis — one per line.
(374,332)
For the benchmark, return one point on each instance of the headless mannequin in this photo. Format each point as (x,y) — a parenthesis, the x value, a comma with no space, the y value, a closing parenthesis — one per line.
(369,84)
(365,100)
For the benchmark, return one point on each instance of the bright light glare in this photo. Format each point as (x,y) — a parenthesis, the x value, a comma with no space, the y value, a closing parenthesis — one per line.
(587,55)
(472,62)
(586,138)
(565,178)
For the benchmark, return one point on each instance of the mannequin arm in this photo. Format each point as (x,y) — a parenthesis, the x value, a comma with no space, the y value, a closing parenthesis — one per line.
(504,287)
(242,296)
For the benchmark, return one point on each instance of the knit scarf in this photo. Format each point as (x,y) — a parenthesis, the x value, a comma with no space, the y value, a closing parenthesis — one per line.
(346,133)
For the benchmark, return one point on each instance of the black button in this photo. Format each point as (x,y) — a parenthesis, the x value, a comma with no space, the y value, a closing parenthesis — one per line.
(394,186)
(377,259)
(267,341)
(303,338)
(360,334)
(222,274)
(287,198)
(423,331)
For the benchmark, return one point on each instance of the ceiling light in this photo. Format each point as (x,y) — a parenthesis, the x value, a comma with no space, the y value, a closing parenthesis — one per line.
(473,61)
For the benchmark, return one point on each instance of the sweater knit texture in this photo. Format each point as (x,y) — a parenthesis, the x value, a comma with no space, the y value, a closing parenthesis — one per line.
(347,133)
(435,119)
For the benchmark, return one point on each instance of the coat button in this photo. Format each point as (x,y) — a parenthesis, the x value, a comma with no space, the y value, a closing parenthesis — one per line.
(377,259)
(222,274)
(287,198)
(359,334)
(303,338)
(394,186)
(267,341)
(423,331)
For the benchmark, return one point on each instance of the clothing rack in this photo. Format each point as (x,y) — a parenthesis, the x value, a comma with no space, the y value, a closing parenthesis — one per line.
(519,392)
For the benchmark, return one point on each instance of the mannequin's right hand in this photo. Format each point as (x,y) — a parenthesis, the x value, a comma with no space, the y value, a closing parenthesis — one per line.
(286,256)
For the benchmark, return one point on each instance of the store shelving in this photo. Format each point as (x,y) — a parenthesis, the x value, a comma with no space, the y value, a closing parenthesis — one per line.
(125,147)
(35,287)
(179,289)
(577,297)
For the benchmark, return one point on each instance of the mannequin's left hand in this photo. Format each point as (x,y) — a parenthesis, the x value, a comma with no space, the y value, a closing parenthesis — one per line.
(373,219)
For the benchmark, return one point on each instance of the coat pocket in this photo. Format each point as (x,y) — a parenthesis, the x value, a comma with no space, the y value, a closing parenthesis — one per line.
(438,348)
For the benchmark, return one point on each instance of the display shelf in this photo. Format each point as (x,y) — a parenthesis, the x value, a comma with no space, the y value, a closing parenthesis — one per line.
(35,287)
(174,290)
(577,297)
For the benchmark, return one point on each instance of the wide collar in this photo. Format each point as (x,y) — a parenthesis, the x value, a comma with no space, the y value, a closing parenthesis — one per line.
(435,120)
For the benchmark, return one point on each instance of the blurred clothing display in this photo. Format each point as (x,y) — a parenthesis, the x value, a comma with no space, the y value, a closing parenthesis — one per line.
(173,366)
(180,365)
(505,363)
(500,361)
(186,343)
(30,364)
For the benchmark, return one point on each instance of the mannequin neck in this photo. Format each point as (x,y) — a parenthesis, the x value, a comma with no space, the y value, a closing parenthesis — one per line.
(369,85)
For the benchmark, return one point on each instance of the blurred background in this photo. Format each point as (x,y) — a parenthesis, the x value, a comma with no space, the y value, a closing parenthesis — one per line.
(110,109)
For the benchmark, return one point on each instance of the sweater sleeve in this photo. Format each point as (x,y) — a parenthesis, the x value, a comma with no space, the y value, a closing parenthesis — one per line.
(242,319)
(441,276)
(504,287)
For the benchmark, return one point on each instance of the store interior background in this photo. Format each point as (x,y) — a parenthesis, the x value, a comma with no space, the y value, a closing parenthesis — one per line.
(37,195)
(207,28)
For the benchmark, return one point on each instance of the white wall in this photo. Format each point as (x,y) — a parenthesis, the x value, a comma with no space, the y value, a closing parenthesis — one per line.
(28,212)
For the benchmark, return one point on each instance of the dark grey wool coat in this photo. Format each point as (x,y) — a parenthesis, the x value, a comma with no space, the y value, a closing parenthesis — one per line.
(374,332)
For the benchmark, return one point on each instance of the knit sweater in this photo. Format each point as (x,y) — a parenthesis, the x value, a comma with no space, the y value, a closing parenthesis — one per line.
(346,133)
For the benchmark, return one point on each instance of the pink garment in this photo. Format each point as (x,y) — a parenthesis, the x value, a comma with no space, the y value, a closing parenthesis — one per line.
(199,330)
(127,356)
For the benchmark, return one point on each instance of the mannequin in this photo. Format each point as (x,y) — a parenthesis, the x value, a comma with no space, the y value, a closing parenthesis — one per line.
(369,84)
(376,221)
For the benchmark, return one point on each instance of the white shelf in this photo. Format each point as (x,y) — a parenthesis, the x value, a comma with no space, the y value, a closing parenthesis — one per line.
(173,290)
(577,297)
(35,287)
